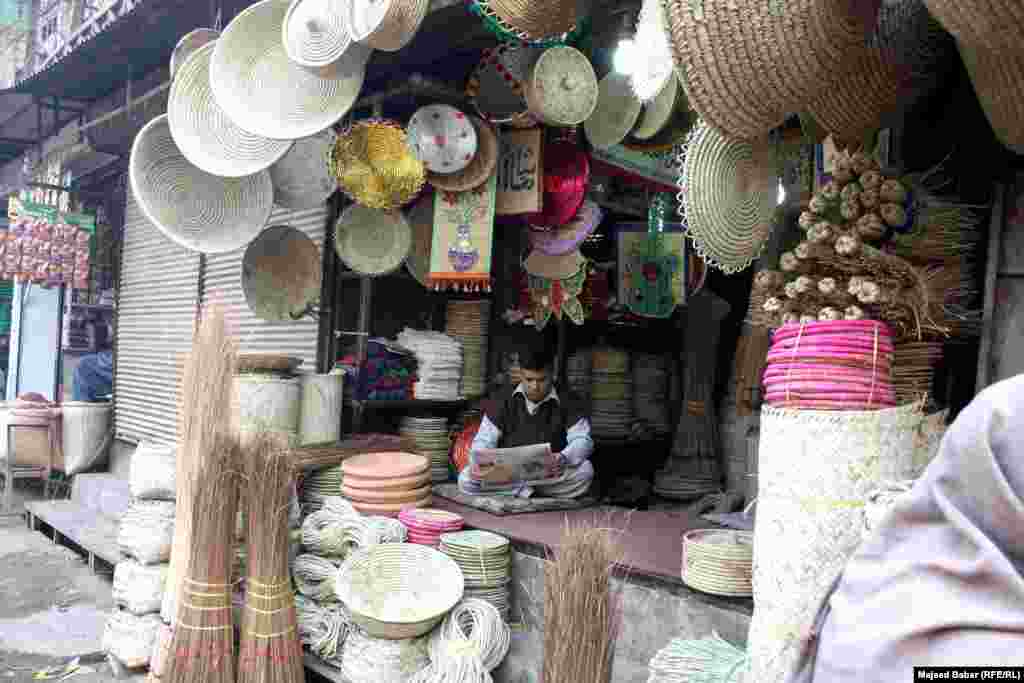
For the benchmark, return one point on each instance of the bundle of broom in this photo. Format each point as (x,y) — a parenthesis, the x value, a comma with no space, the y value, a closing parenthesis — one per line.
(580,607)
(270,650)
(202,648)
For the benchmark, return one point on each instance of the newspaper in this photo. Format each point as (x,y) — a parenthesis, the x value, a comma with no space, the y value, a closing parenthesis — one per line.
(528,464)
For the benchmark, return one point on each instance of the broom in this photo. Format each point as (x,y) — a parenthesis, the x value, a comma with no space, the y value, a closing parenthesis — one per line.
(204,414)
(202,647)
(580,623)
(270,650)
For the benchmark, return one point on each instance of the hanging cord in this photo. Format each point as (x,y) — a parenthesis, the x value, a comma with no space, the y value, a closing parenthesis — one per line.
(471,642)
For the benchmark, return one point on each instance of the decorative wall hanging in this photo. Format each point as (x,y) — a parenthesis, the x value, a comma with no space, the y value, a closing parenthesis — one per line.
(730,191)
(281,274)
(195,209)
(421,221)
(520,164)
(496,85)
(653,66)
(316,32)
(443,138)
(562,88)
(189,43)
(616,113)
(302,178)
(557,297)
(264,92)
(375,166)
(561,267)
(569,238)
(653,268)
(370,241)
(460,255)
(532,21)
(203,131)
(387,25)
(566,174)
(479,169)
(747,67)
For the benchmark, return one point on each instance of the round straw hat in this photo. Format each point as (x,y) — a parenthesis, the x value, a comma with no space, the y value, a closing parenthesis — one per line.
(566,173)
(560,267)
(266,93)
(375,166)
(372,242)
(988,33)
(901,64)
(302,179)
(443,138)
(421,224)
(496,85)
(617,111)
(531,20)
(570,237)
(189,43)
(562,88)
(480,168)
(747,65)
(387,25)
(729,195)
(281,274)
(315,33)
(205,134)
(195,209)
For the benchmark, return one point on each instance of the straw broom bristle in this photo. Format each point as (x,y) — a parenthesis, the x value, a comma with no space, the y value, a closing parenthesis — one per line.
(580,607)
(270,650)
(202,647)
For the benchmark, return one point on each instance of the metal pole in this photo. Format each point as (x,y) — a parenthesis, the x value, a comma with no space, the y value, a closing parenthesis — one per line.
(362,344)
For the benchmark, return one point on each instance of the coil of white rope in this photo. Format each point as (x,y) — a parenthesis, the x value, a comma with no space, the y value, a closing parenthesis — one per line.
(471,642)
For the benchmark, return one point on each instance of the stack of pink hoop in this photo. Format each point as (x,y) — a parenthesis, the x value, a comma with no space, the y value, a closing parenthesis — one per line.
(835,365)
(426,525)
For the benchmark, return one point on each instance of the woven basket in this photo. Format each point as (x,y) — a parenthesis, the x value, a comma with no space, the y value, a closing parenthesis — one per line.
(375,166)
(479,169)
(387,25)
(281,274)
(399,590)
(815,471)
(205,134)
(189,43)
(562,89)
(372,242)
(302,179)
(266,93)
(531,20)
(195,209)
(315,33)
(618,110)
(718,562)
(747,65)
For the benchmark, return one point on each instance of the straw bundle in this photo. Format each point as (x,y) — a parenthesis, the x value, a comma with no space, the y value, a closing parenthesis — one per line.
(203,644)
(580,618)
(204,413)
(270,651)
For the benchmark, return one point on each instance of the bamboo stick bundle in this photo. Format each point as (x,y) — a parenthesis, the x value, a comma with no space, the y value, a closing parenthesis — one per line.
(202,648)
(270,650)
(204,411)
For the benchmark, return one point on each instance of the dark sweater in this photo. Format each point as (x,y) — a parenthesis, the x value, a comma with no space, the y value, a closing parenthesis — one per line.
(548,425)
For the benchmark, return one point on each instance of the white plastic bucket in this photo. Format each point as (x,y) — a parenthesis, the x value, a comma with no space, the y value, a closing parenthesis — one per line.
(266,402)
(322,397)
(84,426)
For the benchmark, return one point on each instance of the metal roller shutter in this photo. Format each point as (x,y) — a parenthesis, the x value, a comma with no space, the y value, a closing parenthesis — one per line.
(157,304)
(222,283)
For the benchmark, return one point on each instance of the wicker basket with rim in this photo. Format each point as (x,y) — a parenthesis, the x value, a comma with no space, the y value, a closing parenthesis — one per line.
(562,89)
(719,562)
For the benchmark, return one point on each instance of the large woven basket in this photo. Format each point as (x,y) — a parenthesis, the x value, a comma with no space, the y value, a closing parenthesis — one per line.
(302,178)
(399,590)
(387,25)
(195,209)
(748,65)
(315,33)
(719,562)
(372,242)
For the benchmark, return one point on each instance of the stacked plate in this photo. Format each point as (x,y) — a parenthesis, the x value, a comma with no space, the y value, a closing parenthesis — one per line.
(650,395)
(578,374)
(486,563)
(426,526)
(611,394)
(468,323)
(686,480)
(429,436)
(386,483)
(439,359)
(318,486)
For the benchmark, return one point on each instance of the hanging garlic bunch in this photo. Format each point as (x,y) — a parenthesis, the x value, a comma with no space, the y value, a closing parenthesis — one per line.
(848,245)
(829,313)
(854,312)
(767,280)
(870,227)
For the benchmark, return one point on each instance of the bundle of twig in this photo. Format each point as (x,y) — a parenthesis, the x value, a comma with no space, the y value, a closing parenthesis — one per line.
(580,607)
(270,650)
(204,638)
(204,418)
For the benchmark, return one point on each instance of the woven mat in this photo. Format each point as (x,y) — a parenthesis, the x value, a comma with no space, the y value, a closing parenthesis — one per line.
(509,505)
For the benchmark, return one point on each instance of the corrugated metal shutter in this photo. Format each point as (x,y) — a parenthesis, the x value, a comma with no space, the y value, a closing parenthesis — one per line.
(222,283)
(156,315)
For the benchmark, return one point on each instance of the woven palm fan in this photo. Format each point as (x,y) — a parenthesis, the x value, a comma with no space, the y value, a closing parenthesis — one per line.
(616,113)
(421,222)
(302,179)
(372,242)
(747,65)
(375,166)
(988,33)
(729,195)
(562,89)
(901,64)
(281,274)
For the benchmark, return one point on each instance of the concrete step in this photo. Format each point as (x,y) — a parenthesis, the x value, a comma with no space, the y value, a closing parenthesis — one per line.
(104,494)
(92,531)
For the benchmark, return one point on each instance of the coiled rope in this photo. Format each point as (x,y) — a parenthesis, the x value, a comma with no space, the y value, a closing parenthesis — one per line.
(323,628)
(471,642)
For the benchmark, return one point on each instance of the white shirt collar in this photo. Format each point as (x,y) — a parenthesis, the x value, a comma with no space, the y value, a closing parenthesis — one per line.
(532,407)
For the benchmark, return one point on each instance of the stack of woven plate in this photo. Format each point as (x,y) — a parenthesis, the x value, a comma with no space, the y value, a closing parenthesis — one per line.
(650,393)
(578,374)
(427,525)
(835,365)
(468,322)
(719,562)
(318,486)
(439,359)
(486,563)
(386,483)
(429,437)
(611,393)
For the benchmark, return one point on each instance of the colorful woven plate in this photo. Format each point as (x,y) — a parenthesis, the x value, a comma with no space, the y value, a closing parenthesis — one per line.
(443,138)
(375,166)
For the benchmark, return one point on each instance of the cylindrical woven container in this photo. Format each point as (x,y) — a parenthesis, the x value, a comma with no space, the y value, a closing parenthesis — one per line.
(387,25)
(747,65)
(718,562)
(267,402)
(562,88)
(84,427)
(320,410)
(815,471)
